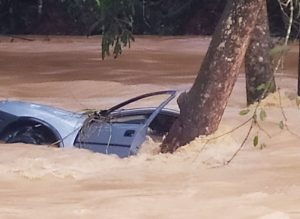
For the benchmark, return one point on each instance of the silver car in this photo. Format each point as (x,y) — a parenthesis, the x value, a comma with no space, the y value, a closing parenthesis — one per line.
(118,130)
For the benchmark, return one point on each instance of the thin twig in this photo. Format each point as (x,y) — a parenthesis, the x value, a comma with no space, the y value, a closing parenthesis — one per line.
(281,107)
(254,117)
(263,130)
(21,38)
(222,135)
(284,116)
(232,130)
(242,144)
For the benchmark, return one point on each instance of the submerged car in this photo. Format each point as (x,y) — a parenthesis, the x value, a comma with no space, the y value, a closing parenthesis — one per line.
(118,130)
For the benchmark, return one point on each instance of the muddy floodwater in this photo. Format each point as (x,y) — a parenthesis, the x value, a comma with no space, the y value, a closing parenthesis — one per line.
(67,72)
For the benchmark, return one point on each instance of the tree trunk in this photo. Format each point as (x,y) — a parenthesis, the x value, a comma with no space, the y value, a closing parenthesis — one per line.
(202,107)
(298,90)
(258,64)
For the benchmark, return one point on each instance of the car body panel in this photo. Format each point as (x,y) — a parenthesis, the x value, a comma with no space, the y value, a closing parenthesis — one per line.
(66,123)
(114,131)
(110,138)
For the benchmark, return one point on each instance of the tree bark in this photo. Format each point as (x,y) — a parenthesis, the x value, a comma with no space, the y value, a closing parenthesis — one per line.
(298,90)
(258,63)
(201,108)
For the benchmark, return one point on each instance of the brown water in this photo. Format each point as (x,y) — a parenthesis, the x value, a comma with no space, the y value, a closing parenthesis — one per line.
(41,182)
(159,60)
(150,60)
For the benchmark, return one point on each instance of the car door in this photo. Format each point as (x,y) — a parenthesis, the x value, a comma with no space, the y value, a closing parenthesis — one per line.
(123,136)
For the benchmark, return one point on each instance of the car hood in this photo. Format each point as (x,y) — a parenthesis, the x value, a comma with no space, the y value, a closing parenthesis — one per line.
(40,111)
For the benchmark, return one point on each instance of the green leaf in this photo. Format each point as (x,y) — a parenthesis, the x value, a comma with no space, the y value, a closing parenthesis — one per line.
(281,124)
(244,112)
(279,50)
(262,146)
(261,87)
(255,141)
(262,114)
(98,3)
